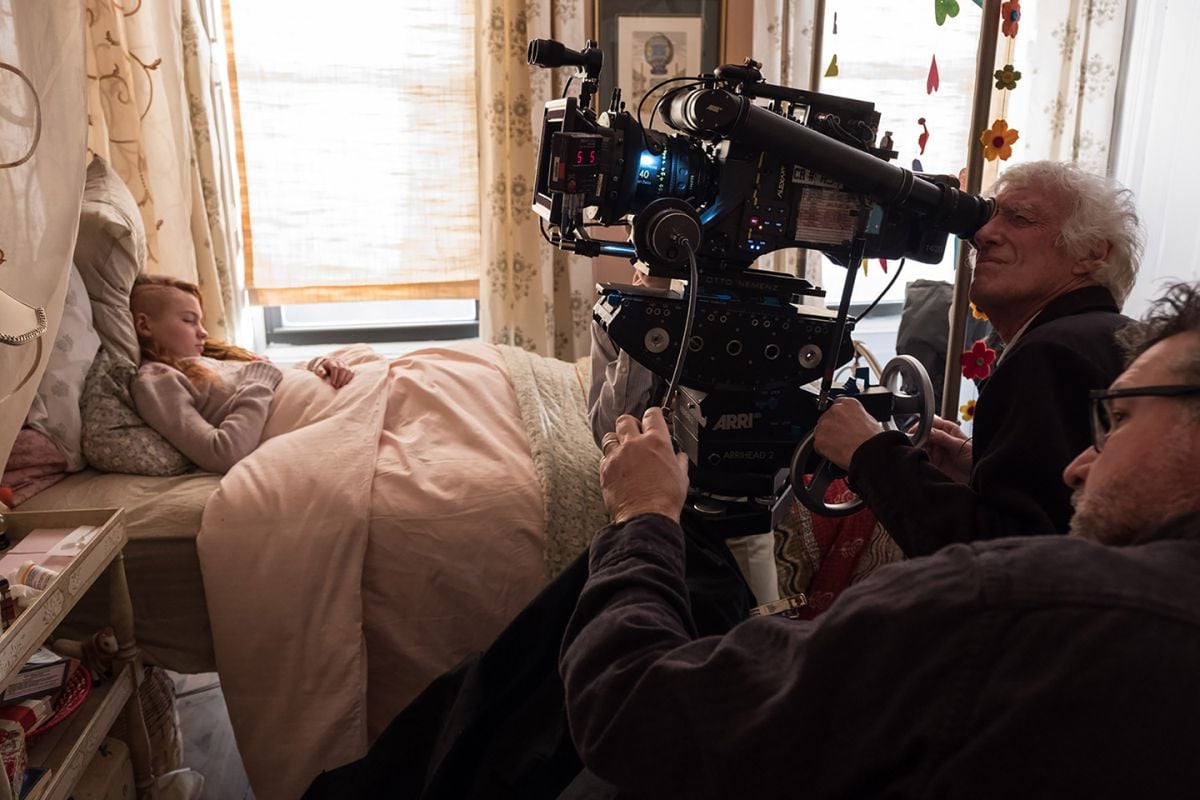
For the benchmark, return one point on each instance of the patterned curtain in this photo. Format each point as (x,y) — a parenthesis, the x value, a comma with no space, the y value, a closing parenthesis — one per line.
(1069,56)
(783,42)
(151,115)
(531,295)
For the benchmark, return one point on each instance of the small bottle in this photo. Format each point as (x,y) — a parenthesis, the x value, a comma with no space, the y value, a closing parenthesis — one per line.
(34,575)
(8,606)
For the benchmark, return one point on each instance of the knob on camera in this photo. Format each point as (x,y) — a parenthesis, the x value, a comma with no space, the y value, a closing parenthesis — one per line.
(663,227)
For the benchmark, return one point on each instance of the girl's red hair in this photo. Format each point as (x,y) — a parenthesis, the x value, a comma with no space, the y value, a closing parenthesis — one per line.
(147,298)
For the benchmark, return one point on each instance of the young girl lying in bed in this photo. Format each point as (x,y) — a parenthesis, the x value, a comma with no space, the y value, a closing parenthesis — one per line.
(208,398)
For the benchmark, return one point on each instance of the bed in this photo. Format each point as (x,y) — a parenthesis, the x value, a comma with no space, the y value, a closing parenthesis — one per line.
(328,590)
(378,534)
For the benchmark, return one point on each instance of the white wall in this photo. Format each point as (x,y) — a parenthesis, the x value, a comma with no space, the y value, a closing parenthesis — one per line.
(1158,141)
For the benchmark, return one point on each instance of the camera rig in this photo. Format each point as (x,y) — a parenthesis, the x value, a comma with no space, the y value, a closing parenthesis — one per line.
(750,168)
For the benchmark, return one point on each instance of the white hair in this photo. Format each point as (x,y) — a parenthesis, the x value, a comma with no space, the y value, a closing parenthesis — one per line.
(1101,211)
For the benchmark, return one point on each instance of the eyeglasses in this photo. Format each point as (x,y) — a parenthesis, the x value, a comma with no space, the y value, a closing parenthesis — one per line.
(1102,414)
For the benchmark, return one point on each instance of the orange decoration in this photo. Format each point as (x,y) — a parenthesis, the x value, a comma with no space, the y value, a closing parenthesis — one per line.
(998,140)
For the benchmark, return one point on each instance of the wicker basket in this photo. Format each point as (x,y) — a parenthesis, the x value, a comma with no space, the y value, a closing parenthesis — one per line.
(157,694)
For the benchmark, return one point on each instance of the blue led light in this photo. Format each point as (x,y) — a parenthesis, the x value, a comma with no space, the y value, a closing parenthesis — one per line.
(648,159)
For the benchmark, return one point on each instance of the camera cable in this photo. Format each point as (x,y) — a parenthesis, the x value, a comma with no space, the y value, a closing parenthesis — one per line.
(655,88)
(693,290)
(886,289)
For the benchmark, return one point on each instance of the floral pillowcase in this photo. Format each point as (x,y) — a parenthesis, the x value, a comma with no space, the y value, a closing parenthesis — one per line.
(115,439)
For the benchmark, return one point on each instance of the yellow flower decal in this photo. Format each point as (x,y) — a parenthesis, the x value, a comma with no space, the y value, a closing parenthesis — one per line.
(968,411)
(976,313)
(998,141)
(1007,78)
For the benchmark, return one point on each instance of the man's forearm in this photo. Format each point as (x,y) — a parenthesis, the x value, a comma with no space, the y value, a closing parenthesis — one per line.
(924,509)
(632,612)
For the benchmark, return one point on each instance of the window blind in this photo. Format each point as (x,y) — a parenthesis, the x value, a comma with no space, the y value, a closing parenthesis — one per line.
(356,132)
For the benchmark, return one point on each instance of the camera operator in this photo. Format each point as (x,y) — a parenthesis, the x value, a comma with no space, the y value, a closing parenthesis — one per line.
(1053,666)
(1051,270)
(621,385)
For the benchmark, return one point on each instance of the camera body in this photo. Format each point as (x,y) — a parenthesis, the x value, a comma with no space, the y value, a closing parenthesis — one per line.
(750,168)
(602,169)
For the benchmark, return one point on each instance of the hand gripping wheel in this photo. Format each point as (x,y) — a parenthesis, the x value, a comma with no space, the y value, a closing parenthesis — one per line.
(912,404)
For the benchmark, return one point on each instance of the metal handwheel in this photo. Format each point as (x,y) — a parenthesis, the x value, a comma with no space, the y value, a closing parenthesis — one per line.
(912,412)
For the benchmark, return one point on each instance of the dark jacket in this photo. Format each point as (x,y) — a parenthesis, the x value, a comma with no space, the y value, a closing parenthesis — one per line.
(1031,420)
(493,728)
(1031,667)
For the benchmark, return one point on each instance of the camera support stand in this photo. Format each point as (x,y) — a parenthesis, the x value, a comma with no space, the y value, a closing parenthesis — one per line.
(719,517)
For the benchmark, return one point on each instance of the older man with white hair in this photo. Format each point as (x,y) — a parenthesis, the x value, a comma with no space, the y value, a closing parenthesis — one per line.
(1052,268)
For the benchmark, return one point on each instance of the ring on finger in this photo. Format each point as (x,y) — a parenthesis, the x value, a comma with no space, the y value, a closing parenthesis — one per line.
(609,439)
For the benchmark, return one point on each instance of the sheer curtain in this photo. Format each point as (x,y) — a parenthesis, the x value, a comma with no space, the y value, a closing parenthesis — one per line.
(358,149)
(532,295)
(42,146)
(1069,56)
(1153,156)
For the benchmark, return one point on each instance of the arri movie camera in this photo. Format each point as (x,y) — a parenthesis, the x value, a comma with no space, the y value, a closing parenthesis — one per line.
(749,168)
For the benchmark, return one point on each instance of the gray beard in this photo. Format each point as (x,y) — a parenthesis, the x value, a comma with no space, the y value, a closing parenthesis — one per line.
(1097,521)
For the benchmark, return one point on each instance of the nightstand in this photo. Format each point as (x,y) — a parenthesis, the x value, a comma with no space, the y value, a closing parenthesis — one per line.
(66,749)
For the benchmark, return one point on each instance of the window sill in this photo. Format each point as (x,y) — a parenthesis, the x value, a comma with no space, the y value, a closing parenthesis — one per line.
(286,355)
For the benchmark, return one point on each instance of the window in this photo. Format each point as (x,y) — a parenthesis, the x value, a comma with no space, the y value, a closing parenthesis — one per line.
(357,142)
(373,321)
(884,53)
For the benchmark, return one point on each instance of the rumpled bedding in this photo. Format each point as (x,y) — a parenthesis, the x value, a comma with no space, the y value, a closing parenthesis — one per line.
(379,534)
(34,464)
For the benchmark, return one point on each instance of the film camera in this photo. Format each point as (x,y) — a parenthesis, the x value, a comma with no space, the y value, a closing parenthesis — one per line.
(748,169)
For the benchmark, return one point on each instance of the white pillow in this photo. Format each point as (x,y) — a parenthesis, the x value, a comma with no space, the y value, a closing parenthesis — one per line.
(55,408)
(110,251)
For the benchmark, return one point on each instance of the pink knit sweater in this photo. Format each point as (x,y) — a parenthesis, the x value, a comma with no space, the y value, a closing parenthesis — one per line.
(216,424)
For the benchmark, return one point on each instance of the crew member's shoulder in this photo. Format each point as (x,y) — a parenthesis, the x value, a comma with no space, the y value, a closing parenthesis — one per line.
(1063,570)
(1084,333)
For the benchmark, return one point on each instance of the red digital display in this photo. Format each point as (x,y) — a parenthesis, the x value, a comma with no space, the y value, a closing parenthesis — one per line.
(585,156)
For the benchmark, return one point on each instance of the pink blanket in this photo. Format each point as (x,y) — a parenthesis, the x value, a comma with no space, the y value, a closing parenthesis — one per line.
(380,533)
(35,463)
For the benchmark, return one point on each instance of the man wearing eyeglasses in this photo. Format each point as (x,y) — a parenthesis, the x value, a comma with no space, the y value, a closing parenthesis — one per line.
(1038,666)
(1143,464)
(1051,269)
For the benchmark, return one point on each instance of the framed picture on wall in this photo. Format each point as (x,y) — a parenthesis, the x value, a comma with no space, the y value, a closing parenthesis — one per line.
(646,42)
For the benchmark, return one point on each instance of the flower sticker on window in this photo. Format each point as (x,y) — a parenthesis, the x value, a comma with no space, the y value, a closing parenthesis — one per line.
(977,362)
(967,411)
(998,141)
(1010,16)
(976,313)
(1007,78)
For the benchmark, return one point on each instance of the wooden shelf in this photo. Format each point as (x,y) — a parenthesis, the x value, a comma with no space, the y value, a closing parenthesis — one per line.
(67,749)
(38,621)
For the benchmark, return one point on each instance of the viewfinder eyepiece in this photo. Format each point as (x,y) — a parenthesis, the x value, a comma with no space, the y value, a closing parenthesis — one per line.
(549,53)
